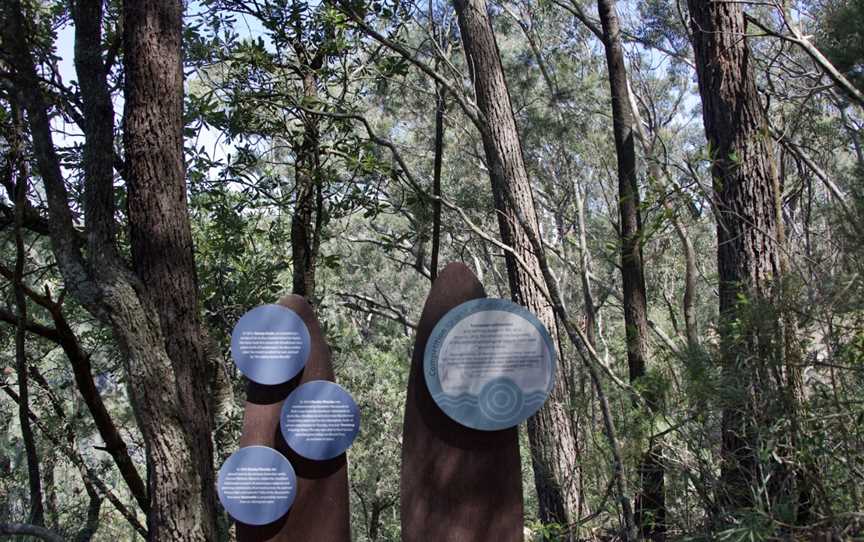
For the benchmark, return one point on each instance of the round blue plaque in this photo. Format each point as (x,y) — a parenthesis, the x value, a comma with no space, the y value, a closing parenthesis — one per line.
(257,485)
(320,420)
(489,364)
(270,344)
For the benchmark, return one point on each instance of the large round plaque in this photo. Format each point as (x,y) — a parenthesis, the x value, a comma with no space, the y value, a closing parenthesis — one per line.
(489,364)
(270,344)
(257,485)
(320,420)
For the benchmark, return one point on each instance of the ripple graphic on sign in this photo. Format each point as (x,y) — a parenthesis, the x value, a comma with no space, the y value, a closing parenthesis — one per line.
(489,364)
(501,399)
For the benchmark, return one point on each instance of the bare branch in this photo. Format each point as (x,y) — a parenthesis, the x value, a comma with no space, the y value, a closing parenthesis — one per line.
(813,52)
(25,529)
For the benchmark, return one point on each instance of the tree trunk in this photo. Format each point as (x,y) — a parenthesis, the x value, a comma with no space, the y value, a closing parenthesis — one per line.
(440,104)
(152,310)
(305,234)
(94,507)
(650,503)
(551,432)
(36,515)
(180,465)
(688,303)
(98,158)
(749,234)
(375,520)
(585,268)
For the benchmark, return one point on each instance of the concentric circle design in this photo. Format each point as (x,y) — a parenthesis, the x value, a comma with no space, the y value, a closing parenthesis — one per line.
(489,364)
(501,400)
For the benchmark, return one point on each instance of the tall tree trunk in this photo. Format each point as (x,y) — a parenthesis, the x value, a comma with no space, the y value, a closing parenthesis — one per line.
(307,219)
(94,507)
(650,503)
(585,268)
(375,519)
(749,234)
(440,104)
(551,432)
(98,128)
(162,255)
(152,310)
(50,490)
(36,515)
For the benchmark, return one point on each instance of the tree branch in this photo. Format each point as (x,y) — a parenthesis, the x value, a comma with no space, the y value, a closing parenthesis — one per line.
(469,108)
(372,306)
(25,529)
(82,370)
(65,241)
(814,53)
(36,328)
(76,459)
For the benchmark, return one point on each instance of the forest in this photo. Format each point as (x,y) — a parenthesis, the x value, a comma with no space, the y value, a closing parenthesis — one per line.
(674,189)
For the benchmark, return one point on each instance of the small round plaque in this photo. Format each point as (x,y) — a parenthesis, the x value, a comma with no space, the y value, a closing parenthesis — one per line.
(320,420)
(257,485)
(489,364)
(270,344)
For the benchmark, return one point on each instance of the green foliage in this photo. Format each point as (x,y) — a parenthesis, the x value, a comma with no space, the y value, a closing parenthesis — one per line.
(841,37)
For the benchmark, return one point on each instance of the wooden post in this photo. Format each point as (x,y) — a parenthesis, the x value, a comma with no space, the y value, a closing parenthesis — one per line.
(320,510)
(458,484)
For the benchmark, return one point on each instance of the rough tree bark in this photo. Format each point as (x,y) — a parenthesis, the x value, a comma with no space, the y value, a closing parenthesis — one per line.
(749,236)
(650,503)
(162,256)
(551,432)
(151,308)
(99,130)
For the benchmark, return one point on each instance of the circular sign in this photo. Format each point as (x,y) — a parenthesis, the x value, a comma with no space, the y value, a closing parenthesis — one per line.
(270,344)
(489,364)
(320,420)
(257,485)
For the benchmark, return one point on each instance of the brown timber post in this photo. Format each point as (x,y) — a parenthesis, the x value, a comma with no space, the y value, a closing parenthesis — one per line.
(320,510)
(458,484)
